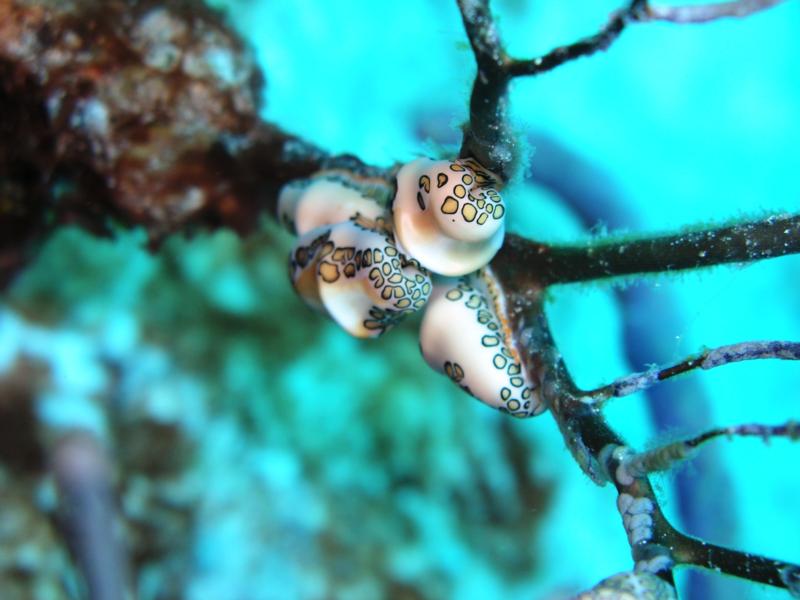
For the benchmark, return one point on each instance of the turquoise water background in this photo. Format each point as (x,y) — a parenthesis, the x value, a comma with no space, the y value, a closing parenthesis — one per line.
(692,124)
(345,468)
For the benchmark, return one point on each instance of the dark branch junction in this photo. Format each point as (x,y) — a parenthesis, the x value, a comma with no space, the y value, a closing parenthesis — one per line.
(526,268)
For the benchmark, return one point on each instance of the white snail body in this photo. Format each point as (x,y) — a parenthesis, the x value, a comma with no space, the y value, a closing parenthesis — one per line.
(328,198)
(353,271)
(465,334)
(448,215)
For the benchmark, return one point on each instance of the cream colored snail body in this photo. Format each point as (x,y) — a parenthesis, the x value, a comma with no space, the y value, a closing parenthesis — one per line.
(353,271)
(329,197)
(465,334)
(448,215)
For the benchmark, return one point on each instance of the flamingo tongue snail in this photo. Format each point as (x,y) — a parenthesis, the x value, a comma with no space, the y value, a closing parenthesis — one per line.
(353,271)
(465,334)
(448,215)
(368,267)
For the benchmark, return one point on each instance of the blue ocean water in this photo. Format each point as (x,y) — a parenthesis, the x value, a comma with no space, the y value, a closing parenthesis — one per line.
(345,468)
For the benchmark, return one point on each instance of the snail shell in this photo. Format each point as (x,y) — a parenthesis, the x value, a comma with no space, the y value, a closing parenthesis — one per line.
(355,273)
(448,215)
(465,334)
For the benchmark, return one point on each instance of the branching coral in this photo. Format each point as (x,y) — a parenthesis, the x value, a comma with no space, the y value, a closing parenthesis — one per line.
(525,269)
(230,170)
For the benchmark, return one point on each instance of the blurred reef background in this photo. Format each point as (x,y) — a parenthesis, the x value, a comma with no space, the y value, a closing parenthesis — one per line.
(248,449)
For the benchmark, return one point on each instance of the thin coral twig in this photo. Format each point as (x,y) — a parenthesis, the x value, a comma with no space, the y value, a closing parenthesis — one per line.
(588,436)
(584,47)
(703,13)
(708,359)
(663,458)
(487,136)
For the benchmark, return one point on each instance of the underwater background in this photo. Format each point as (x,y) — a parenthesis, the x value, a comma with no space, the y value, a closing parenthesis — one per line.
(262,453)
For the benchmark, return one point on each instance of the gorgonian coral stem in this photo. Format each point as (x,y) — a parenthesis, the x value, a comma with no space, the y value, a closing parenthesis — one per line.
(587,434)
(694,552)
(487,135)
(740,243)
(482,34)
